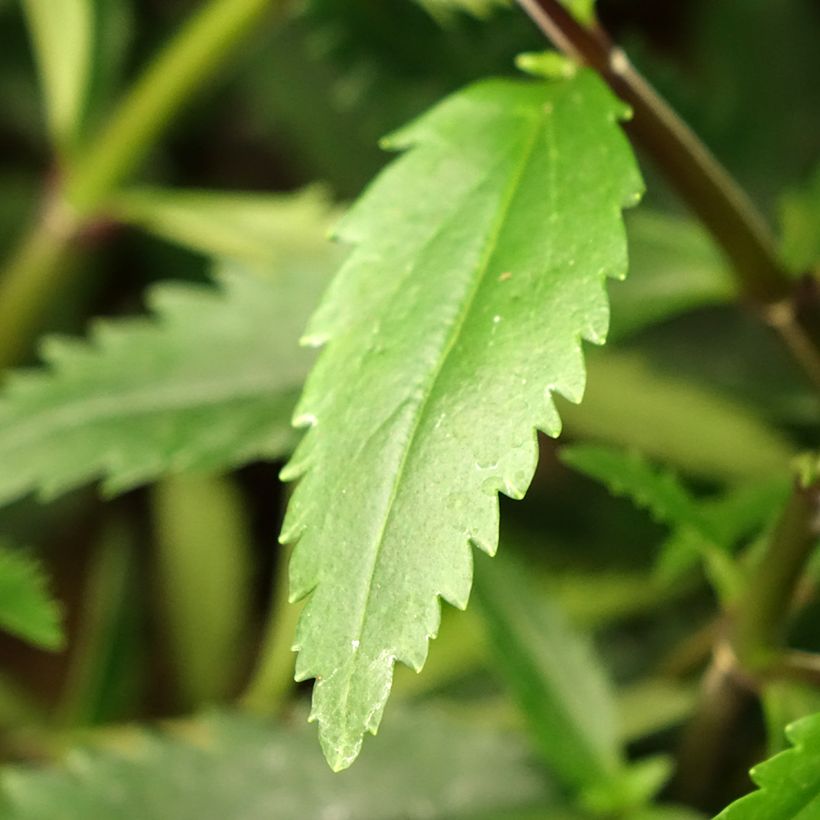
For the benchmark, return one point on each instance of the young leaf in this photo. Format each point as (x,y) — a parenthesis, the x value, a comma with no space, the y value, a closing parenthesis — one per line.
(27,610)
(225,765)
(553,673)
(789,782)
(481,260)
(62,32)
(208,383)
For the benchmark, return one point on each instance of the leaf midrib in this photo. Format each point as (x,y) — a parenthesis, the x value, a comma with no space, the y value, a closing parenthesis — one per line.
(450,343)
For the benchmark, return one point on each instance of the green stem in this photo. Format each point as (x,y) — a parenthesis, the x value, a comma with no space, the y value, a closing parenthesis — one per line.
(273,678)
(189,63)
(28,283)
(761,617)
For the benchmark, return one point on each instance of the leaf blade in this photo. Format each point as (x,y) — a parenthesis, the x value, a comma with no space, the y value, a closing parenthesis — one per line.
(479,227)
(789,782)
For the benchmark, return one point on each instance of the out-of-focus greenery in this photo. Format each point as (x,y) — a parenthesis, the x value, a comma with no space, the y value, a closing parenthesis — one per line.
(205,267)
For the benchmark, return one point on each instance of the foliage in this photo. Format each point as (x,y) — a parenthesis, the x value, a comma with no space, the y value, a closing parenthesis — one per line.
(170,176)
(26,608)
(459,307)
(789,782)
(230,765)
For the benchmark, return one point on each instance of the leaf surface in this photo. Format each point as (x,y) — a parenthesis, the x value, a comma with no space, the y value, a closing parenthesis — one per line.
(789,782)
(224,765)
(209,382)
(480,266)
(27,610)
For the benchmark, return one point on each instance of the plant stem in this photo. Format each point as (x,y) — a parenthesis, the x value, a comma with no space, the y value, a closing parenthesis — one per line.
(702,182)
(185,66)
(761,616)
(753,648)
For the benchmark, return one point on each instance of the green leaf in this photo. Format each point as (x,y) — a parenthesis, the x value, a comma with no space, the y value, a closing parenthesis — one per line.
(62,33)
(674,267)
(269,228)
(709,529)
(209,382)
(226,765)
(627,473)
(789,782)
(554,675)
(800,220)
(481,260)
(674,420)
(27,610)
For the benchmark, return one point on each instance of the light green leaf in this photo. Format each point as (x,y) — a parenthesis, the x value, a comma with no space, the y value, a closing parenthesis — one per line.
(708,529)
(800,220)
(229,766)
(554,675)
(480,266)
(27,610)
(789,782)
(674,420)
(209,382)
(674,267)
(62,32)
(269,228)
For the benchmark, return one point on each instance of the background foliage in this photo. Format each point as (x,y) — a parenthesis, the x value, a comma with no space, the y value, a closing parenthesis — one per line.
(145,415)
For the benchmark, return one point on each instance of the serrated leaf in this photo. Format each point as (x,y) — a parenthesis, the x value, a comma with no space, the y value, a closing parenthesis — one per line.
(627,473)
(554,675)
(800,220)
(708,531)
(27,609)
(227,765)
(480,266)
(62,32)
(789,782)
(209,382)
